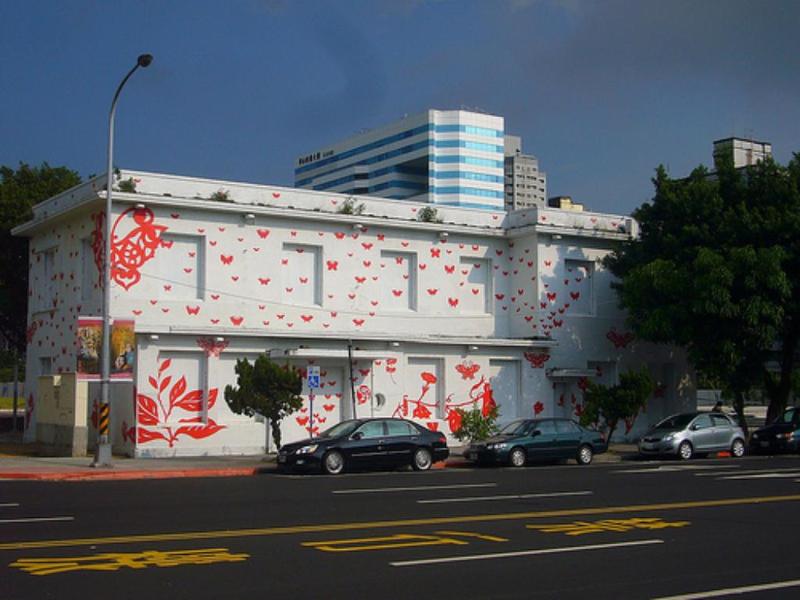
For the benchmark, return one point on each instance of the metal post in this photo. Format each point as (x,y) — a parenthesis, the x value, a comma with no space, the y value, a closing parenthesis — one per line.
(102,456)
(352,383)
(16,391)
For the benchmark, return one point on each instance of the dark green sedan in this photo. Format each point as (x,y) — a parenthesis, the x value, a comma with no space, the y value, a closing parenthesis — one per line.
(538,439)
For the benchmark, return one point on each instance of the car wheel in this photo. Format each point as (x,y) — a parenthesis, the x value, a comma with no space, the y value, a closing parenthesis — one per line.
(585,455)
(685,450)
(422,459)
(516,457)
(737,448)
(333,463)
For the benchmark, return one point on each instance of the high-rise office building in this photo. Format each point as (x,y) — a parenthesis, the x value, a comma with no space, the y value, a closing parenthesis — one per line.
(525,184)
(442,157)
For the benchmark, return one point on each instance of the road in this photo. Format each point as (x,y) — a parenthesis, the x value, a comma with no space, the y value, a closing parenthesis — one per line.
(625,530)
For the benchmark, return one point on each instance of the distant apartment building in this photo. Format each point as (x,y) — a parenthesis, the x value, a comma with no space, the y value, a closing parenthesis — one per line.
(442,157)
(525,184)
(744,152)
(564,203)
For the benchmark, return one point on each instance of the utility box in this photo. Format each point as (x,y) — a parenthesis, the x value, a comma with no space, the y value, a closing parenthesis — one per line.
(62,405)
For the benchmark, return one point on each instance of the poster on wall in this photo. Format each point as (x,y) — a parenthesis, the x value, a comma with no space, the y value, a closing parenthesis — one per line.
(90,346)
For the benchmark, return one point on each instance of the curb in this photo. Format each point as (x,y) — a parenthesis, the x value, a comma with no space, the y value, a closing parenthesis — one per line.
(131,475)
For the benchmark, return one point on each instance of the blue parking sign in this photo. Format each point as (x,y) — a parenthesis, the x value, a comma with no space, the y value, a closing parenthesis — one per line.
(312,376)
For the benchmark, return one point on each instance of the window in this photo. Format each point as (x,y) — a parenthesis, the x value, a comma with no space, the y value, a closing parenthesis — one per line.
(566,427)
(546,427)
(579,278)
(371,429)
(400,269)
(397,427)
(302,274)
(45,365)
(720,421)
(477,285)
(702,422)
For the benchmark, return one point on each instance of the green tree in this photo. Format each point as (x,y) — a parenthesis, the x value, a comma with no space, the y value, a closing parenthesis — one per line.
(715,271)
(20,189)
(266,388)
(608,405)
(474,425)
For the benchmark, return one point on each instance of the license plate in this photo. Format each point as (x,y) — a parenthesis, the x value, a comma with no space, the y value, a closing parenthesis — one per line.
(765,444)
(281,458)
(472,455)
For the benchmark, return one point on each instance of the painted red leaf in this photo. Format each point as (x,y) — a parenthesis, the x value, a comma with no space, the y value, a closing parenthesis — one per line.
(212,397)
(165,365)
(147,410)
(199,432)
(192,402)
(164,384)
(153,382)
(177,390)
(145,435)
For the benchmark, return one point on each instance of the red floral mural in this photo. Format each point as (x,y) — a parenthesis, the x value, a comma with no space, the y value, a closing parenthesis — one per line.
(620,340)
(152,411)
(131,249)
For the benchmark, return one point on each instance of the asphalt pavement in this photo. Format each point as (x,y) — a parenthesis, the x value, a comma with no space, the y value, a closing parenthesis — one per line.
(629,529)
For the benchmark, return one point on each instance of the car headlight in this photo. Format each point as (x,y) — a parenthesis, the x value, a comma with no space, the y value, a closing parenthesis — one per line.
(500,446)
(755,435)
(308,449)
(669,437)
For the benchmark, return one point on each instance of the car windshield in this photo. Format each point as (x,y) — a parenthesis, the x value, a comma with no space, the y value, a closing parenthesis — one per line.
(343,428)
(514,428)
(788,416)
(676,422)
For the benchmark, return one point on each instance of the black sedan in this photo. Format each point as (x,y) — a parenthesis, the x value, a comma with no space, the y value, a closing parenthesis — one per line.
(367,443)
(538,439)
(781,436)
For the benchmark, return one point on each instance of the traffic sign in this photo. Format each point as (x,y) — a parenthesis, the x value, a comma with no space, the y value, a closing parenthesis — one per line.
(312,375)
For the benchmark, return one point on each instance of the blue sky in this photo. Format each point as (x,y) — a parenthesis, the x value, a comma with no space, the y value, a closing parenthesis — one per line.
(601,91)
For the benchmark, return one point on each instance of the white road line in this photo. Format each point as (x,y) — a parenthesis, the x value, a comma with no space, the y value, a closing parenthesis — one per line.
(9,504)
(36,520)
(678,468)
(734,591)
(451,559)
(509,497)
(764,475)
(417,488)
(749,471)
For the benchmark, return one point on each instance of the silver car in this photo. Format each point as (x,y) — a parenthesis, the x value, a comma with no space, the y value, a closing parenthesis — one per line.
(687,434)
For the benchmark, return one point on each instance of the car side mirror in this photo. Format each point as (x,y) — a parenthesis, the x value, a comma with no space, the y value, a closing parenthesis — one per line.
(536,432)
(694,427)
(357,435)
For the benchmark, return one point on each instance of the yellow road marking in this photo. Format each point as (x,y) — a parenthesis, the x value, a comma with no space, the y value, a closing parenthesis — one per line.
(480,536)
(485,518)
(114,561)
(400,540)
(584,527)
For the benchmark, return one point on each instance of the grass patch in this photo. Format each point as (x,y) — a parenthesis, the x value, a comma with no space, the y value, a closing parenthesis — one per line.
(8,403)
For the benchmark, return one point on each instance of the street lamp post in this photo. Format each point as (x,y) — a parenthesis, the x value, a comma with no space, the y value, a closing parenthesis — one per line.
(102,456)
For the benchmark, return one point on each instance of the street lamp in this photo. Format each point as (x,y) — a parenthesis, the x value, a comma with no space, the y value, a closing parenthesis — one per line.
(102,456)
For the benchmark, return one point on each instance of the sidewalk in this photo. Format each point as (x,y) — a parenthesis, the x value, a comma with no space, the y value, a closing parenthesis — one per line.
(20,461)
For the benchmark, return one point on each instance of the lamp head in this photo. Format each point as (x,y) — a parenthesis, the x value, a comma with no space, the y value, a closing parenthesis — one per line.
(144,60)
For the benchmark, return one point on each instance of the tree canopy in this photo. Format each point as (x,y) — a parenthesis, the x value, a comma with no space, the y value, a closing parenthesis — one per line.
(715,270)
(608,405)
(20,189)
(266,388)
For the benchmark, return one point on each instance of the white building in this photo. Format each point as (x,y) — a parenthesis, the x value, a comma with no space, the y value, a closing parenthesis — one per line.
(436,316)
(444,157)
